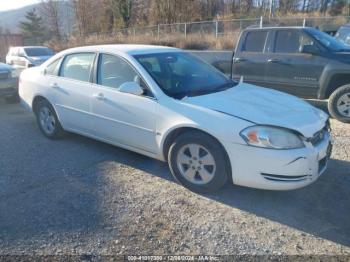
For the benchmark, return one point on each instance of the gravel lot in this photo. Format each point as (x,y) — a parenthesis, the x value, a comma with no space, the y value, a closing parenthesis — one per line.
(79,196)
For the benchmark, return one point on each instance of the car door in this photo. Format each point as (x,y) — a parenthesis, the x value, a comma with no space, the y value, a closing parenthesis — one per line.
(71,89)
(250,57)
(290,70)
(122,118)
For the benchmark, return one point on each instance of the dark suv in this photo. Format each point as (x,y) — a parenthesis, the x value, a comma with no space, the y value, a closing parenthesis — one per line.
(298,60)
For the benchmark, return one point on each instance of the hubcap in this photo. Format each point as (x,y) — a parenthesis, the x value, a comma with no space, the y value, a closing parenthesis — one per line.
(343,105)
(47,120)
(196,164)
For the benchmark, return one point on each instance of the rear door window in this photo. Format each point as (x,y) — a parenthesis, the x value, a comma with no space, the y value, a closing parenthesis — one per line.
(78,66)
(53,68)
(255,41)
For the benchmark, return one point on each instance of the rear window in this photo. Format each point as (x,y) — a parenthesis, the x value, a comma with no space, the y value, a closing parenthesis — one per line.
(255,41)
(38,51)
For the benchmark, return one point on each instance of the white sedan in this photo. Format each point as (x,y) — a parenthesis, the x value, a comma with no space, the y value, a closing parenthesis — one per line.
(167,104)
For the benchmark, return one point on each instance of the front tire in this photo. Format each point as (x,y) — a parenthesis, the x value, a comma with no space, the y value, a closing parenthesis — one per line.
(198,162)
(339,104)
(48,121)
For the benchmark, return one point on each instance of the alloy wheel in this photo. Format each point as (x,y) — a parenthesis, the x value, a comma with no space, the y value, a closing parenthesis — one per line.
(343,105)
(47,120)
(196,164)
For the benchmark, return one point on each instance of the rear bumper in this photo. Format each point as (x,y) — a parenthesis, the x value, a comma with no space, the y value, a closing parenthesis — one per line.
(278,169)
(8,87)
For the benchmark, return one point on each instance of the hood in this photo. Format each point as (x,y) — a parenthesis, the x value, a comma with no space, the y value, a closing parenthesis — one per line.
(342,56)
(264,106)
(5,67)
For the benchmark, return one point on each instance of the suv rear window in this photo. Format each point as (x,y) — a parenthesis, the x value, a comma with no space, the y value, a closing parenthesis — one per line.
(255,41)
(38,51)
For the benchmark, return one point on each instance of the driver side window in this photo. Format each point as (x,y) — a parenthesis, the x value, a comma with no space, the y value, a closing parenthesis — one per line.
(114,71)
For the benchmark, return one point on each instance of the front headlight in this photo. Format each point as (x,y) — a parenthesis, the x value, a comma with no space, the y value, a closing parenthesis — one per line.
(271,137)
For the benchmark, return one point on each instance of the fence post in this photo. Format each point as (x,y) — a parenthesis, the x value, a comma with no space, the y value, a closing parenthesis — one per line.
(185,29)
(216,28)
(261,21)
(158,31)
(304,22)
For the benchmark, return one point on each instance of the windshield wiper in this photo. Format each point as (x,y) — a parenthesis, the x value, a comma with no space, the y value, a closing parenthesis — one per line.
(220,88)
(225,86)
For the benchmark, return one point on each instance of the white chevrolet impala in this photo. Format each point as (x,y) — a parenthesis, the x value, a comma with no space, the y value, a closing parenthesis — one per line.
(167,104)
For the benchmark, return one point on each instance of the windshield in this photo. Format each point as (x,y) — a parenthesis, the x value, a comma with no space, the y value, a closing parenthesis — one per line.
(343,35)
(38,51)
(327,40)
(181,74)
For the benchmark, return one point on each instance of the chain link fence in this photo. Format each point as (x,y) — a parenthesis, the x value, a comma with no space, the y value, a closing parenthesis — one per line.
(224,28)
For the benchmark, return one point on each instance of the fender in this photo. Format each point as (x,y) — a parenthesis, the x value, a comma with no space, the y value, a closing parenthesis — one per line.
(331,70)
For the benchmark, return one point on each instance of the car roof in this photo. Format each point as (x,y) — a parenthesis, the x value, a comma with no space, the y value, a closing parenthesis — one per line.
(11,47)
(125,48)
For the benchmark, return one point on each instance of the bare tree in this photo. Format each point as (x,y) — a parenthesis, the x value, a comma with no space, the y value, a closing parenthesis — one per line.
(51,11)
(87,13)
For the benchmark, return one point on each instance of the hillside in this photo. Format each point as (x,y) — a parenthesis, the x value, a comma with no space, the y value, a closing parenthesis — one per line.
(11,19)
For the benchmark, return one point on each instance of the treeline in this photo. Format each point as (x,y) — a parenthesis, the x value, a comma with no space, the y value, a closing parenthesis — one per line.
(105,16)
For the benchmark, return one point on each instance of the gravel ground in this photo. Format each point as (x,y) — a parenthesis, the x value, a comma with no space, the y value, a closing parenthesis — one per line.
(78,196)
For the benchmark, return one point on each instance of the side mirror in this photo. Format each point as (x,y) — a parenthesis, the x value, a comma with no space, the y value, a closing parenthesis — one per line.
(131,88)
(309,49)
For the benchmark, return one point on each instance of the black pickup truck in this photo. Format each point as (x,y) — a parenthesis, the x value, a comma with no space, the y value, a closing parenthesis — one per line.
(298,60)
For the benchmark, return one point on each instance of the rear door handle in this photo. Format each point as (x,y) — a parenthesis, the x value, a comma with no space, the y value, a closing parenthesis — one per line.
(99,96)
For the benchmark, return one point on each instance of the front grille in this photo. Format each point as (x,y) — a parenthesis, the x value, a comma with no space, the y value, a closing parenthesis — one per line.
(4,75)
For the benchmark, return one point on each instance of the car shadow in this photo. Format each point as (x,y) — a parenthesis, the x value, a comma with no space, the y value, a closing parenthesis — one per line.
(321,209)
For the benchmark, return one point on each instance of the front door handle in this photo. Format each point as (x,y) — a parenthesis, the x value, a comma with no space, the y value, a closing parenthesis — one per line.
(54,85)
(239,59)
(99,96)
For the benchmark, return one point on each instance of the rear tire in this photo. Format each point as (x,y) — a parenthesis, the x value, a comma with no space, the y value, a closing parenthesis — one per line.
(47,120)
(199,162)
(339,104)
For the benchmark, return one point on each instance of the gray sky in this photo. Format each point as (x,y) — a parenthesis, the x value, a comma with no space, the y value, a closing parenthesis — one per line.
(13,4)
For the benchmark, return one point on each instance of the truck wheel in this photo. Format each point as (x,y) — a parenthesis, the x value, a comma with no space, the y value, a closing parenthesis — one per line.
(339,104)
